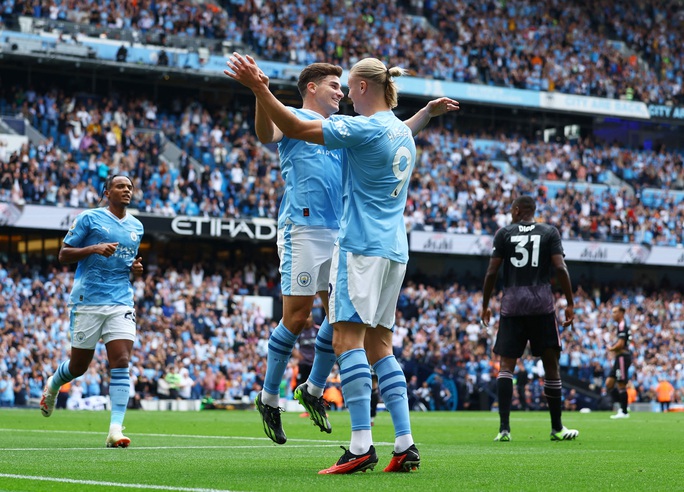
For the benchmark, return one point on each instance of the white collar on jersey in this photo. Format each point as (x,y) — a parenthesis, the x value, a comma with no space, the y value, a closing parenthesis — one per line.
(115,217)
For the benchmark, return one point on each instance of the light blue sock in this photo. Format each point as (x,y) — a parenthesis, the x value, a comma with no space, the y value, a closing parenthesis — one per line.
(61,376)
(355,376)
(324,359)
(392,386)
(280,347)
(119,391)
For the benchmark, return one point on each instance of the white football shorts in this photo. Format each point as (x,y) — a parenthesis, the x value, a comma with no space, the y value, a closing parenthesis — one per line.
(89,324)
(305,254)
(364,289)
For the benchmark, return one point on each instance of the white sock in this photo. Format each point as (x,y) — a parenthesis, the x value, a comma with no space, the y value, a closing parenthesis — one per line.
(115,428)
(361,441)
(269,399)
(313,389)
(402,443)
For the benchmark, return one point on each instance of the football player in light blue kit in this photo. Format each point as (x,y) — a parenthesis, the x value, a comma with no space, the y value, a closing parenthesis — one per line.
(104,242)
(308,223)
(371,253)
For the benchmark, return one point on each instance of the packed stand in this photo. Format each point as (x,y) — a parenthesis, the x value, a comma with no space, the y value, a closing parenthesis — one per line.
(190,324)
(458,185)
(549,46)
(448,361)
(183,17)
(196,338)
(558,46)
(653,30)
(89,139)
(584,160)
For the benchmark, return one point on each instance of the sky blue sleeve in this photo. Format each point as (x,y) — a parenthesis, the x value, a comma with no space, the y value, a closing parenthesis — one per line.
(345,131)
(78,231)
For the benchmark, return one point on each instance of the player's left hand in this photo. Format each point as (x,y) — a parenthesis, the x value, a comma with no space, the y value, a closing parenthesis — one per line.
(137,266)
(438,107)
(245,70)
(485,318)
(569,315)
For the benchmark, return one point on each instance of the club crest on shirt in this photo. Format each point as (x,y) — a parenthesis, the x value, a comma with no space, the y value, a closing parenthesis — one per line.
(134,236)
(304,279)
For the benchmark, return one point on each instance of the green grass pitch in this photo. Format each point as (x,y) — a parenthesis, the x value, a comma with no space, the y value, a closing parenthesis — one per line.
(228,451)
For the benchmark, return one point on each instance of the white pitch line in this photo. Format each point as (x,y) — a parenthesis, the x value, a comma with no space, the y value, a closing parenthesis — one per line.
(191,436)
(157,448)
(57,431)
(109,484)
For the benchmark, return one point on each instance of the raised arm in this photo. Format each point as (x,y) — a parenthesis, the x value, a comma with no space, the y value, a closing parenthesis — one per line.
(436,107)
(245,70)
(266,131)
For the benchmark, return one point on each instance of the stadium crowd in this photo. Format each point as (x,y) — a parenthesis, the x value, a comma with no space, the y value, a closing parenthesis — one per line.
(198,337)
(607,49)
(183,17)
(458,185)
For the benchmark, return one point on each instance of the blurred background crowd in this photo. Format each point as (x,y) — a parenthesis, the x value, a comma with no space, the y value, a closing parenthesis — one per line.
(198,337)
(196,333)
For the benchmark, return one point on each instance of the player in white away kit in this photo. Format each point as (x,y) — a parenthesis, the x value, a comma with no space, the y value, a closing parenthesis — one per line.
(104,242)
(371,253)
(308,224)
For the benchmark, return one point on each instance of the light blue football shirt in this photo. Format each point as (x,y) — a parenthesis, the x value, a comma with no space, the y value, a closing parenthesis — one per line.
(104,281)
(379,158)
(313,180)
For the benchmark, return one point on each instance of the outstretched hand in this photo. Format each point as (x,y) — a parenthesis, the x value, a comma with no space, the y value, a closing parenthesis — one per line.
(438,107)
(245,70)
(137,266)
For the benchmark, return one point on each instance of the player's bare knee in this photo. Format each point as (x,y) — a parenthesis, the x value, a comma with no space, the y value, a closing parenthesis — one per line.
(508,364)
(296,317)
(119,362)
(294,323)
(77,368)
(376,355)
